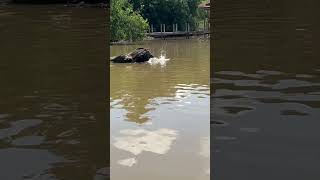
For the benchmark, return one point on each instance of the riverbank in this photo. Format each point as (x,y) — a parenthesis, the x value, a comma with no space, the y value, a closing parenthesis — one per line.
(122,42)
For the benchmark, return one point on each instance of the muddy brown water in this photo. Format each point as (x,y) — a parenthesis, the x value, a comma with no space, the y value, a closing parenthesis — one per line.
(53,122)
(265,90)
(160,112)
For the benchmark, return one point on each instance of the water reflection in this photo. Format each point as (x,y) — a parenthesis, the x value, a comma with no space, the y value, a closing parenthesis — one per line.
(39,170)
(51,112)
(128,162)
(280,109)
(205,152)
(265,104)
(160,111)
(16,127)
(135,86)
(140,140)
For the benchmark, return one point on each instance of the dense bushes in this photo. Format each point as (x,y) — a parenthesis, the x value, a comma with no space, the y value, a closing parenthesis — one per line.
(169,12)
(130,19)
(126,24)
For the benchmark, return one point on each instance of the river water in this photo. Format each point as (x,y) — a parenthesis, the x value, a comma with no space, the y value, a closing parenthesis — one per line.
(160,112)
(53,122)
(265,90)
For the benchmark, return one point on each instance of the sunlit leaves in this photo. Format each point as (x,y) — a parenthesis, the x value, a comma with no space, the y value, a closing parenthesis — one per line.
(126,24)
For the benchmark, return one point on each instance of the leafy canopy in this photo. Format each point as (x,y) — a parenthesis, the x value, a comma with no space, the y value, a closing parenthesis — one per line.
(169,11)
(125,23)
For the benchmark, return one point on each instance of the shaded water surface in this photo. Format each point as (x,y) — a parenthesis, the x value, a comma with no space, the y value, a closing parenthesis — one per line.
(53,98)
(160,112)
(265,91)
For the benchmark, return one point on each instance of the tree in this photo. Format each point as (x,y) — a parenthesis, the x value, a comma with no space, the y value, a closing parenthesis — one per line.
(169,12)
(125,23)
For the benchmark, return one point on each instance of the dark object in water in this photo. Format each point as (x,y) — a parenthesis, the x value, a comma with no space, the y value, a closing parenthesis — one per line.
(137,56)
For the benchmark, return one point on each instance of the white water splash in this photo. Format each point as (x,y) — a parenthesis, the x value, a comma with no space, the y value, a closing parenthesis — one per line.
(161,60)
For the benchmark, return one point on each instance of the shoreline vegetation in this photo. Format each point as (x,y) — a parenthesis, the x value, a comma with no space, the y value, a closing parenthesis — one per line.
(123,42)
(131,20)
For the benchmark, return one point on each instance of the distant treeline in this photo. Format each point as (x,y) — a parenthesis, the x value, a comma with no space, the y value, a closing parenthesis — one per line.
(131,19)
(169,12)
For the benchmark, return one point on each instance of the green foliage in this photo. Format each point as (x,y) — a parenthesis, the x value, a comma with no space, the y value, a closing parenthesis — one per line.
(169,12)
(125,23)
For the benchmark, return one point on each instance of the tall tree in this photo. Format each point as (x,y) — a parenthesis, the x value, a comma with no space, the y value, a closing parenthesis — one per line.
(125,23)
